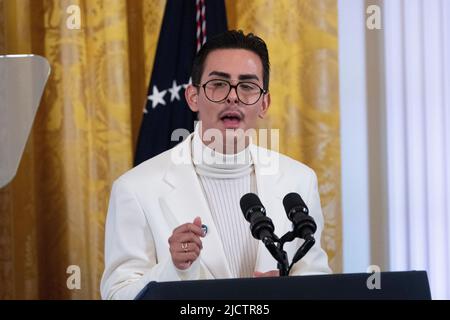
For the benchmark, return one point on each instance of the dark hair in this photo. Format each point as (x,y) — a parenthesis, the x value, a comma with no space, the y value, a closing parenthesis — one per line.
(232,39)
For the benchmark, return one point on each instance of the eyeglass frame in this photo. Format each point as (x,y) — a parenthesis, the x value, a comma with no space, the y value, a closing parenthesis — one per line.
(262,91)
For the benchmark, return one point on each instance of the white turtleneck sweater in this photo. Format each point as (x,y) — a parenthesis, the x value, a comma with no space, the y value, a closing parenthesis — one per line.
(225,179)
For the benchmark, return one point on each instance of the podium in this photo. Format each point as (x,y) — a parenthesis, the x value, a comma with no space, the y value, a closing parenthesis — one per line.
(410,285)
(22,83)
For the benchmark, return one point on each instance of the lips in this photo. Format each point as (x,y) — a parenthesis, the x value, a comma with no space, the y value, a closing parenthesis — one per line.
(231,116)
(231,120)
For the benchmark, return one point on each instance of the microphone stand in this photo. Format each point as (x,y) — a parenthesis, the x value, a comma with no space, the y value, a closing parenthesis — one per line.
(275,247)
(306,246)
(283,266)
(276,250)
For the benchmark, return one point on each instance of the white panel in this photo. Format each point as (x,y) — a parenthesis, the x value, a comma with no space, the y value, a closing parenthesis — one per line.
(446,84)
(352,71)
(398,255)
(415,134)
(417,53)
(434,124)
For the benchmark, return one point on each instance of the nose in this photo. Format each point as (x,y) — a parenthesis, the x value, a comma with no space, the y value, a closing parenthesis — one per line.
(232,96)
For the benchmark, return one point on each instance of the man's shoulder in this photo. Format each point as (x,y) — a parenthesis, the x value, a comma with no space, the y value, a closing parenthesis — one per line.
(287,165)
(148,171)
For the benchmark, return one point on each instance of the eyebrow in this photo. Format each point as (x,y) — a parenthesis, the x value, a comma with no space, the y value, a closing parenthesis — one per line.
(241,76)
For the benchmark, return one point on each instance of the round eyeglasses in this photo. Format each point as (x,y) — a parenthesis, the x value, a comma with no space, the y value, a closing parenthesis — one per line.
(218,90)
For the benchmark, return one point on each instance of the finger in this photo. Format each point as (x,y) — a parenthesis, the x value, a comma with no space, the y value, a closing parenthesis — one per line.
(261,275)
(182,257)
(185,242)
(183,265)
(195,249)
(189,227)
(198,222)
(180,229)
(273,273)
(257,274)
(191,247)
(190,239)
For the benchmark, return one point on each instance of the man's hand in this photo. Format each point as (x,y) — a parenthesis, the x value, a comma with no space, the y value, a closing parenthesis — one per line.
(185,244)
(273,273)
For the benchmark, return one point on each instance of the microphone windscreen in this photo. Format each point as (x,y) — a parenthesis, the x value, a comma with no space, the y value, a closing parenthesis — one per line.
(292,200)
(248,201)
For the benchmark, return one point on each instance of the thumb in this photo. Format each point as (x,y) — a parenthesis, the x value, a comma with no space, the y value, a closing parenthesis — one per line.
(198,222)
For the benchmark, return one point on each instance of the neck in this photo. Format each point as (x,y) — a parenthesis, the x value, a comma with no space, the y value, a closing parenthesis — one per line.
(214,154)
(213,164)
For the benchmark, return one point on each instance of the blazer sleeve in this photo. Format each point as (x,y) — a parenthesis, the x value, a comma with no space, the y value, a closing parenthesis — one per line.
(130,255)
(316,260)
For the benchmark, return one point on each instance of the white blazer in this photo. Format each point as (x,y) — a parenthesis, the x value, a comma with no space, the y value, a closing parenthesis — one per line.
(148,202)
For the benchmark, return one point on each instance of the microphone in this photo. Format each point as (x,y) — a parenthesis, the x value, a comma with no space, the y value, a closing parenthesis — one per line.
(298,213)
(261,226)
(303,224)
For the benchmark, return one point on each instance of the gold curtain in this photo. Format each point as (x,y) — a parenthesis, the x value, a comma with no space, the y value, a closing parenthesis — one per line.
(304,85)
(52,214)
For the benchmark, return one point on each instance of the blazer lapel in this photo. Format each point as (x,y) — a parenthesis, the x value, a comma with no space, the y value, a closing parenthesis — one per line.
(268,177)
(186,201)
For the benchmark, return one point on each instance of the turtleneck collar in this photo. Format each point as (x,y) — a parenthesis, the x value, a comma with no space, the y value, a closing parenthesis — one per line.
(210,163)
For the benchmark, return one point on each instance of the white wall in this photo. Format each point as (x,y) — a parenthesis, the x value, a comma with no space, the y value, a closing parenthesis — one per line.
(417,103)
(354,141)
(396,167)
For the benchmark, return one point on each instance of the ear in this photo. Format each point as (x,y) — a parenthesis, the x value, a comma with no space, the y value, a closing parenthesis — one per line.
(264,106)
(191,95)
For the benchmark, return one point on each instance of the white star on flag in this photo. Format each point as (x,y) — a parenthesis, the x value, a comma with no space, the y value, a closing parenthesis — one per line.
(186,85)
(174,91)
(157,97)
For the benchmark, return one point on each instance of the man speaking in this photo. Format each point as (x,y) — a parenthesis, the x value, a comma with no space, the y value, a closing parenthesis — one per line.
(177,216)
